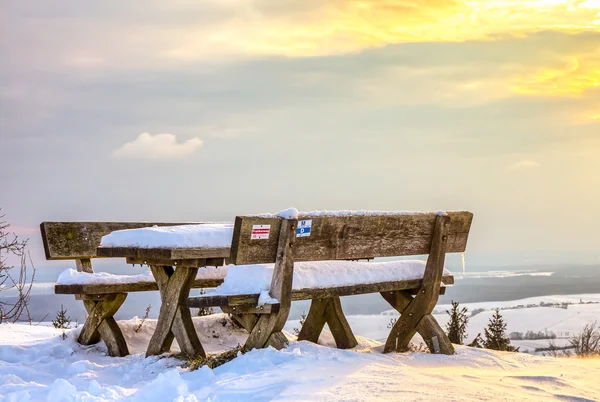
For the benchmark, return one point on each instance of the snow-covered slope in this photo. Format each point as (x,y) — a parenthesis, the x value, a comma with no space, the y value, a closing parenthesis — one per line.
(37,365)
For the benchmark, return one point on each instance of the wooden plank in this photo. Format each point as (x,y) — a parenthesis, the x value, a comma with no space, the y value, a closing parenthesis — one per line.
(281,288)
(350,237)
(100,289)
(196,263)
(162,256)
(308,293)
(72,240)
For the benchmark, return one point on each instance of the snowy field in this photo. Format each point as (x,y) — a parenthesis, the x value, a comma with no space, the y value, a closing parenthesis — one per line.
(36,364)
(563,322)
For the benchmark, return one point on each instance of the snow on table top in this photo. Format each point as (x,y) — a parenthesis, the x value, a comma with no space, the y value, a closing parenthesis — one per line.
(72,277)
(251,279)
(211,235)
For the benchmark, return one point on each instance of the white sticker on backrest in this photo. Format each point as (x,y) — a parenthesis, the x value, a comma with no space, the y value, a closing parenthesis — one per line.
(260,232)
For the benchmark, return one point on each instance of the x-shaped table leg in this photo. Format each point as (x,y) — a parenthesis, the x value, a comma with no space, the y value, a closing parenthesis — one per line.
(174,318)
(101,324)
(410,322)
(328,310)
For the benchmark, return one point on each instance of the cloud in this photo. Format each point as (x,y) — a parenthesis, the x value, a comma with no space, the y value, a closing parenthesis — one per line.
(157,147)
(524,164)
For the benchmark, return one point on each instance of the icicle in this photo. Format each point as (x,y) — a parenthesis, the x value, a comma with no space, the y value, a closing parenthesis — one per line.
(462,256)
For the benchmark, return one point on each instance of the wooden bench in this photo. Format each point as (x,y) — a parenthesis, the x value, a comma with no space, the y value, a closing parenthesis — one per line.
(339,237)
(79,241)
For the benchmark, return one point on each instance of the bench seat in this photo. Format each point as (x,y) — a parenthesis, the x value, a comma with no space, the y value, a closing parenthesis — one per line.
(317,279)
(74,282)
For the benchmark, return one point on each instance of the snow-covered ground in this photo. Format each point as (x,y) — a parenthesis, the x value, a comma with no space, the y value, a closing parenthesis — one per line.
(36,364)
(562,322)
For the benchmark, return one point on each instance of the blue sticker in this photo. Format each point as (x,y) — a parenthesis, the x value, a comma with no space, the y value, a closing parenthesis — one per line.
(303,229)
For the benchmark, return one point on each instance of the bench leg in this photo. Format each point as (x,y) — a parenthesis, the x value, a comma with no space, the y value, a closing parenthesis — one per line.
(415,312)
(269,326)
(101,324)
(174,318)
(427,326)
(328,311)
(277,340)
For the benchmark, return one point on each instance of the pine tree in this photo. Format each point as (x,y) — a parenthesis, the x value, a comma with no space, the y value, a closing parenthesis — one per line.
(495,334)
(457,326)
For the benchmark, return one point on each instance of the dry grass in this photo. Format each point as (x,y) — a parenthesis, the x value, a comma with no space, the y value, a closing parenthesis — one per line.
(211,361)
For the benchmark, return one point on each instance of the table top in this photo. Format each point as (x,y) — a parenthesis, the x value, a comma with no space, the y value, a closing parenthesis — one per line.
(185,257)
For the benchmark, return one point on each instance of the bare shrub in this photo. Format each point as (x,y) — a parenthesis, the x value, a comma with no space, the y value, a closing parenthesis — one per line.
(587,342)
(301,322)
(138,327)
(14,279)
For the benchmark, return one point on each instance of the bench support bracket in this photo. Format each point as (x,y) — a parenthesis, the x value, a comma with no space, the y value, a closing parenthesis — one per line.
(270,325)
(416,311)
(174,318)
(327,310)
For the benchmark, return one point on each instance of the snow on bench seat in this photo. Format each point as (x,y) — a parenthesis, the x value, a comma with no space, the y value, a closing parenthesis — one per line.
(74,282)
(209,235)
(72,277)
(256,279)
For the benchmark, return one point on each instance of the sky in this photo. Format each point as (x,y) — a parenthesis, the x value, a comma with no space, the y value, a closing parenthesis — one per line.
(187,110)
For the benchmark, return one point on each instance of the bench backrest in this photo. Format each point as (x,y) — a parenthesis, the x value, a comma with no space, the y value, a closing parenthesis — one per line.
(76,240)
(350,237)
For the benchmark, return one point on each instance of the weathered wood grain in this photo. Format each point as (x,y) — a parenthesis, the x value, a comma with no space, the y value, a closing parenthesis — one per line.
(313,293)
(72,240)
(427,327)
(84,265)
(338,325)
(350,237)
(314,321)
(100,289)
(174,318)
(328,311)
(281,289)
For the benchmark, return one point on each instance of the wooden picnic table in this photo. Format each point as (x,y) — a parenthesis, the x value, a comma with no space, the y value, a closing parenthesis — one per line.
(174,270)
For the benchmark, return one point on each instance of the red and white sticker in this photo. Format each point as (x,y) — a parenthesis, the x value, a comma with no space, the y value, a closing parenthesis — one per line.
(260,232)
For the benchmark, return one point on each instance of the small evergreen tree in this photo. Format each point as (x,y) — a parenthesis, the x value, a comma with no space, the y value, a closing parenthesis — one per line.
(495,334)
(202,311)
(62,321)
(301,322)
(457,326)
